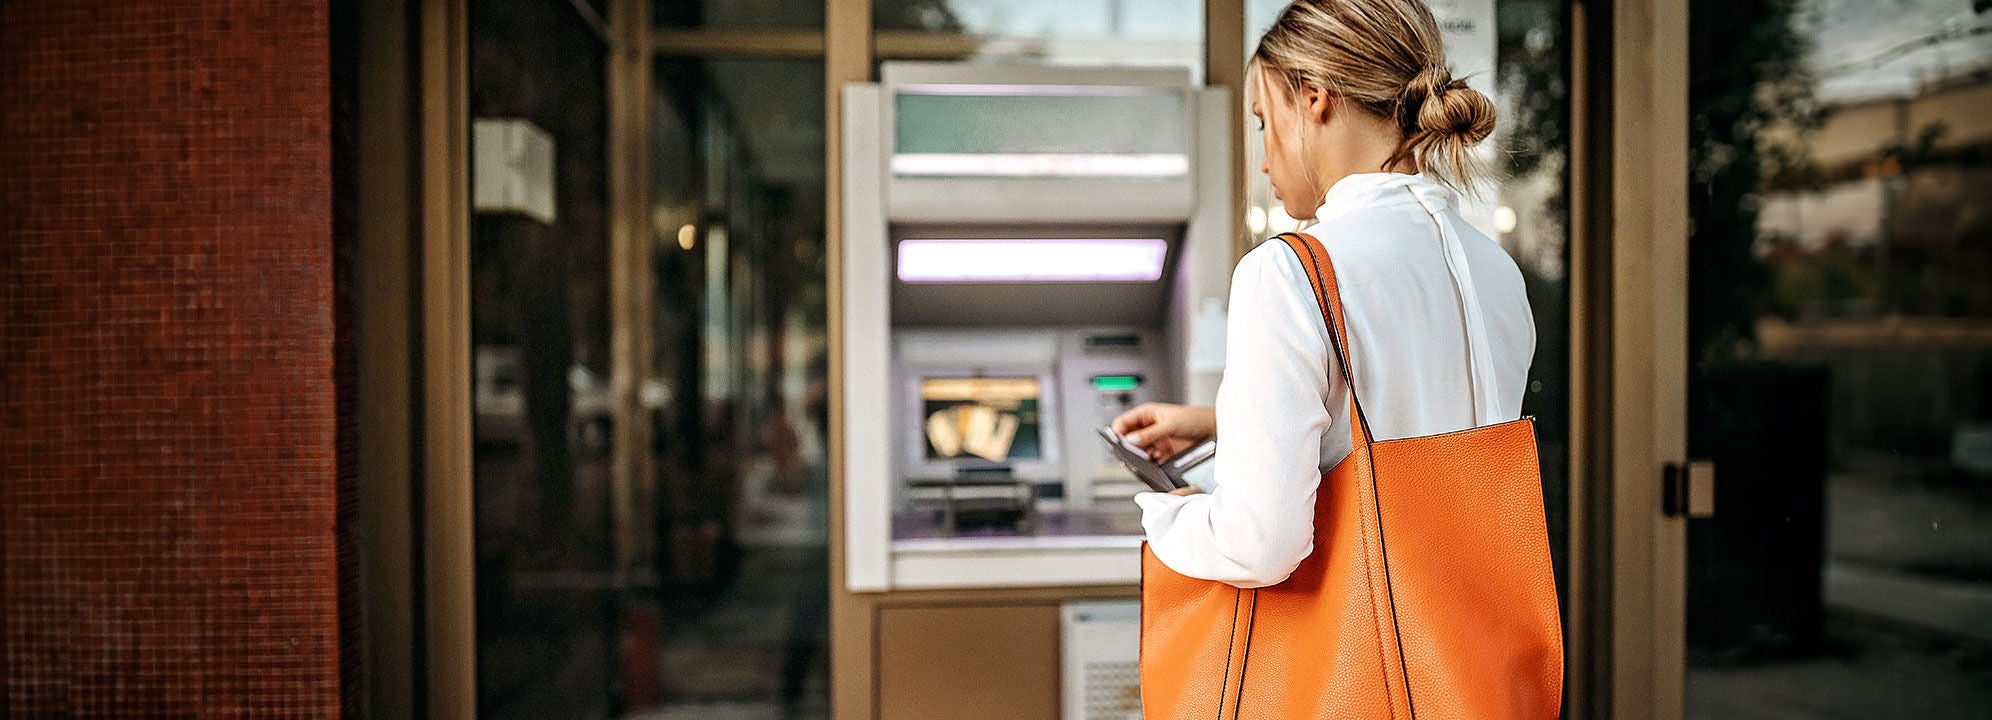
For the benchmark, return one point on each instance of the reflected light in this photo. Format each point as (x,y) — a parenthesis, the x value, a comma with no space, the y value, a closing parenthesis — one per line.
(1504,219)
(686,235)
(1099,260)
(1255,219)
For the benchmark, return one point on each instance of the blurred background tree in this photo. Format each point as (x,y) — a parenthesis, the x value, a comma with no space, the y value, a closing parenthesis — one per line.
(1750,110)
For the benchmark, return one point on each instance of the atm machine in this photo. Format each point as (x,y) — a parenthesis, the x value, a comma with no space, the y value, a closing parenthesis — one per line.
(1028,251)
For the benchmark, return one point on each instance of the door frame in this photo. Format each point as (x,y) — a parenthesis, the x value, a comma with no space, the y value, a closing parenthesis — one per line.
(1629,230)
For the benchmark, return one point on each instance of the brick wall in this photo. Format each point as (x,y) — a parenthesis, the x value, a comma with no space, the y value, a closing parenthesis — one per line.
(167,396)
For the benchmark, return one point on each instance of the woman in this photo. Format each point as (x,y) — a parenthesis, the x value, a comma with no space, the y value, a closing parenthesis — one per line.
(1367,133)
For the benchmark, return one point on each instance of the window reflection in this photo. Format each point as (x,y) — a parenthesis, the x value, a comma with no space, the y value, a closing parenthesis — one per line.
(545,592)
(758,14)
(1840,326)
(1527,210)
(1058,32)
(1133,19)
(740,365)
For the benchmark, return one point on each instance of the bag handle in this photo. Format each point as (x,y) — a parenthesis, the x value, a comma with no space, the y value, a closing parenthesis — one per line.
(1321,275)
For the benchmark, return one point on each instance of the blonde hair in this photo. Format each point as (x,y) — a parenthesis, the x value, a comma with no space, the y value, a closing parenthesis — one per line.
(1384,57)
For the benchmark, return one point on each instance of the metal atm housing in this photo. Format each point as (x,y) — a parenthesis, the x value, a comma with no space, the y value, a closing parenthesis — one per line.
(1027,251)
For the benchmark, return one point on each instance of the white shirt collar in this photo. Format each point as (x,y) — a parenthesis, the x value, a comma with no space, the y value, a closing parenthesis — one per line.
(1359,189)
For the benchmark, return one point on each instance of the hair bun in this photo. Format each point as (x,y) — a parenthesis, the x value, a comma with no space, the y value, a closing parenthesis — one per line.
(1387,59)
(1448,107)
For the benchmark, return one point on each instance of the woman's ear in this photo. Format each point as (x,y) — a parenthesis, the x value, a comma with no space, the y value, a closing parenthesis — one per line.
(1316,104)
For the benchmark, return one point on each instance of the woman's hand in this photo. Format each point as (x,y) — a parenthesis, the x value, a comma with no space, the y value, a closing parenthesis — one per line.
(1162,429)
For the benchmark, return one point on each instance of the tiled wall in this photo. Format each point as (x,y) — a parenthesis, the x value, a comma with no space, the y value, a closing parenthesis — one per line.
(167,404)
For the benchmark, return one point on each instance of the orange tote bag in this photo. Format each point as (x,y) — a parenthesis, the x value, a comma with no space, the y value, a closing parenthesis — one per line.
(1429,593)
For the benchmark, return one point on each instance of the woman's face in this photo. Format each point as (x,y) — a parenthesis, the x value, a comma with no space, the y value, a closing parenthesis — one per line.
(1284,165)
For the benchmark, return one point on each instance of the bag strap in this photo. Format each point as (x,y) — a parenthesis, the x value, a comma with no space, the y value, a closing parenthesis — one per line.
(1320,270)
(1321,274)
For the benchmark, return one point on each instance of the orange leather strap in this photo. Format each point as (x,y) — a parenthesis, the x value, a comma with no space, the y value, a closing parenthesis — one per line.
(1321,270)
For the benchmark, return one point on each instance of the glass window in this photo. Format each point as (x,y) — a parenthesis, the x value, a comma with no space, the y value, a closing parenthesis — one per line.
(1840,340)
(546,598)
(1057,32)
(738,14)
(722,605)
(739,390)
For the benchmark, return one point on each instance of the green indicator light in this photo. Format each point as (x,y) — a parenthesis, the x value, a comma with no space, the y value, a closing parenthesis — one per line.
(1108,383)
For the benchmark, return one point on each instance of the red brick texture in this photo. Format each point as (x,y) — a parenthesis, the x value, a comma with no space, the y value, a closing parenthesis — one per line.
(167,393)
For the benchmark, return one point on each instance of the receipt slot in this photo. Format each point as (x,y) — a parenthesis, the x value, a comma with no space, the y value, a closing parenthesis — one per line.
(1026,251)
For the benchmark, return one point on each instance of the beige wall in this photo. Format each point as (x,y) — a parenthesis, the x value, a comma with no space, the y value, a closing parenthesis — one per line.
(1857,133)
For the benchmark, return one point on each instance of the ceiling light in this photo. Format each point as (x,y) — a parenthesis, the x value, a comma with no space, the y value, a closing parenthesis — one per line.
(1031,260)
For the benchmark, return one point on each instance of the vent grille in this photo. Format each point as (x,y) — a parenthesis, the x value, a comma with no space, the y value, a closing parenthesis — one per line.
(1101,642)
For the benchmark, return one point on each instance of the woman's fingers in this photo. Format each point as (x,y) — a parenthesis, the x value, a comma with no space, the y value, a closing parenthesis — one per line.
(1162,429)
(1150,425)
(1140,416)
(1166,446)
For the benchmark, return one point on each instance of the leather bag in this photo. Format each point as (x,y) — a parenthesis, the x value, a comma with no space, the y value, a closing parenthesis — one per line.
(1429,593)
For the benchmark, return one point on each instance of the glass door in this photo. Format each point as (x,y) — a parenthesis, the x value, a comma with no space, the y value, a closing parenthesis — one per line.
(1839,360)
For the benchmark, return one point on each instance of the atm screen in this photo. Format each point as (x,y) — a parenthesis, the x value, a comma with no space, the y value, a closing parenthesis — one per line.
(992,418)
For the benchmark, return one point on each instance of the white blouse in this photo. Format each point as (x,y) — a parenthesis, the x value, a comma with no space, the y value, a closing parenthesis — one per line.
(1282,408)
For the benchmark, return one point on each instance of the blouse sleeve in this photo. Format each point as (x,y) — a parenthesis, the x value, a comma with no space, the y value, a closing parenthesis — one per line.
(1272,412)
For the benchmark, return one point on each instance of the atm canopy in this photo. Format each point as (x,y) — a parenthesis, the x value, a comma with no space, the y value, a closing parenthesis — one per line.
(977,143)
